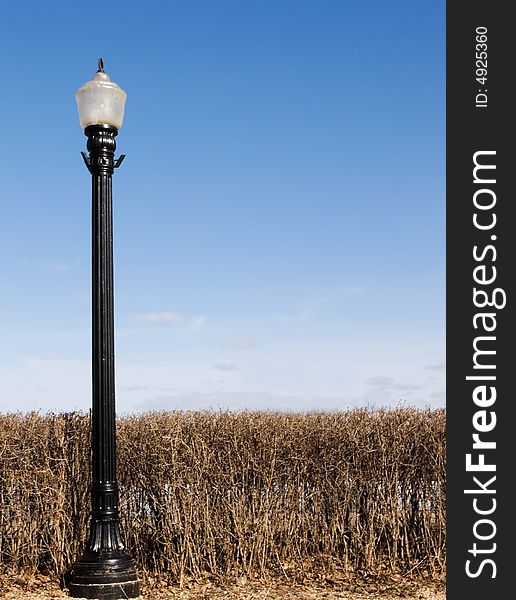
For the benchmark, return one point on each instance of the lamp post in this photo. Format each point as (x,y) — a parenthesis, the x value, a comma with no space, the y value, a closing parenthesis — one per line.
(105,570)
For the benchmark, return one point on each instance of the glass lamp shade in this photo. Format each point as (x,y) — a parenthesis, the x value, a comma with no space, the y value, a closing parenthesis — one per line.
(101,102)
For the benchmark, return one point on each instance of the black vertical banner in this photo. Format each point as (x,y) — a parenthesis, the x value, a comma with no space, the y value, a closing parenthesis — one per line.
(481,260)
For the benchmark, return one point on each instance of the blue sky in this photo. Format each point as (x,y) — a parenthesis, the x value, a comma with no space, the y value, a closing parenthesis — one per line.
(279,221)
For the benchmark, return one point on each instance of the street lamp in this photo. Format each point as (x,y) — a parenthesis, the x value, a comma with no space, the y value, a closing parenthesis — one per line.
(105,570)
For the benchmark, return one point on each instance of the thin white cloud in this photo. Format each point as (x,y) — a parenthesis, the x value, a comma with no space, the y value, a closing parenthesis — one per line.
(147,388)
(171,318)
(381,381)
(307,309)
(437,367)
(384,392)
(197,322)
(137,388)
(390,384)
(239,343)
(226,367)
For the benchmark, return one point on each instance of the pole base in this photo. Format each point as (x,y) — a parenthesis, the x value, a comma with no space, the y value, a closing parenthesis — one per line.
(107,576)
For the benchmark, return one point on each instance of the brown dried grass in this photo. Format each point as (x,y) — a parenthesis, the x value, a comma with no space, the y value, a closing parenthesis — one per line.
(234,494)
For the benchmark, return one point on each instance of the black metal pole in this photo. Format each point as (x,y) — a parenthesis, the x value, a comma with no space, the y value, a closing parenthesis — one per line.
(105,570)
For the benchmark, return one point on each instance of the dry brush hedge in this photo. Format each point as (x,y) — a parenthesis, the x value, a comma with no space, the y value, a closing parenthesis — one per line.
(233,493)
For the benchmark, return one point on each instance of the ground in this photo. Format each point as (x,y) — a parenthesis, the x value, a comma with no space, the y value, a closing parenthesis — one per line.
(39,587)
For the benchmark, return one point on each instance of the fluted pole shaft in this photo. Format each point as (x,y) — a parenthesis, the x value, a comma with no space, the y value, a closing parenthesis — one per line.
(105,570)
(102,145)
